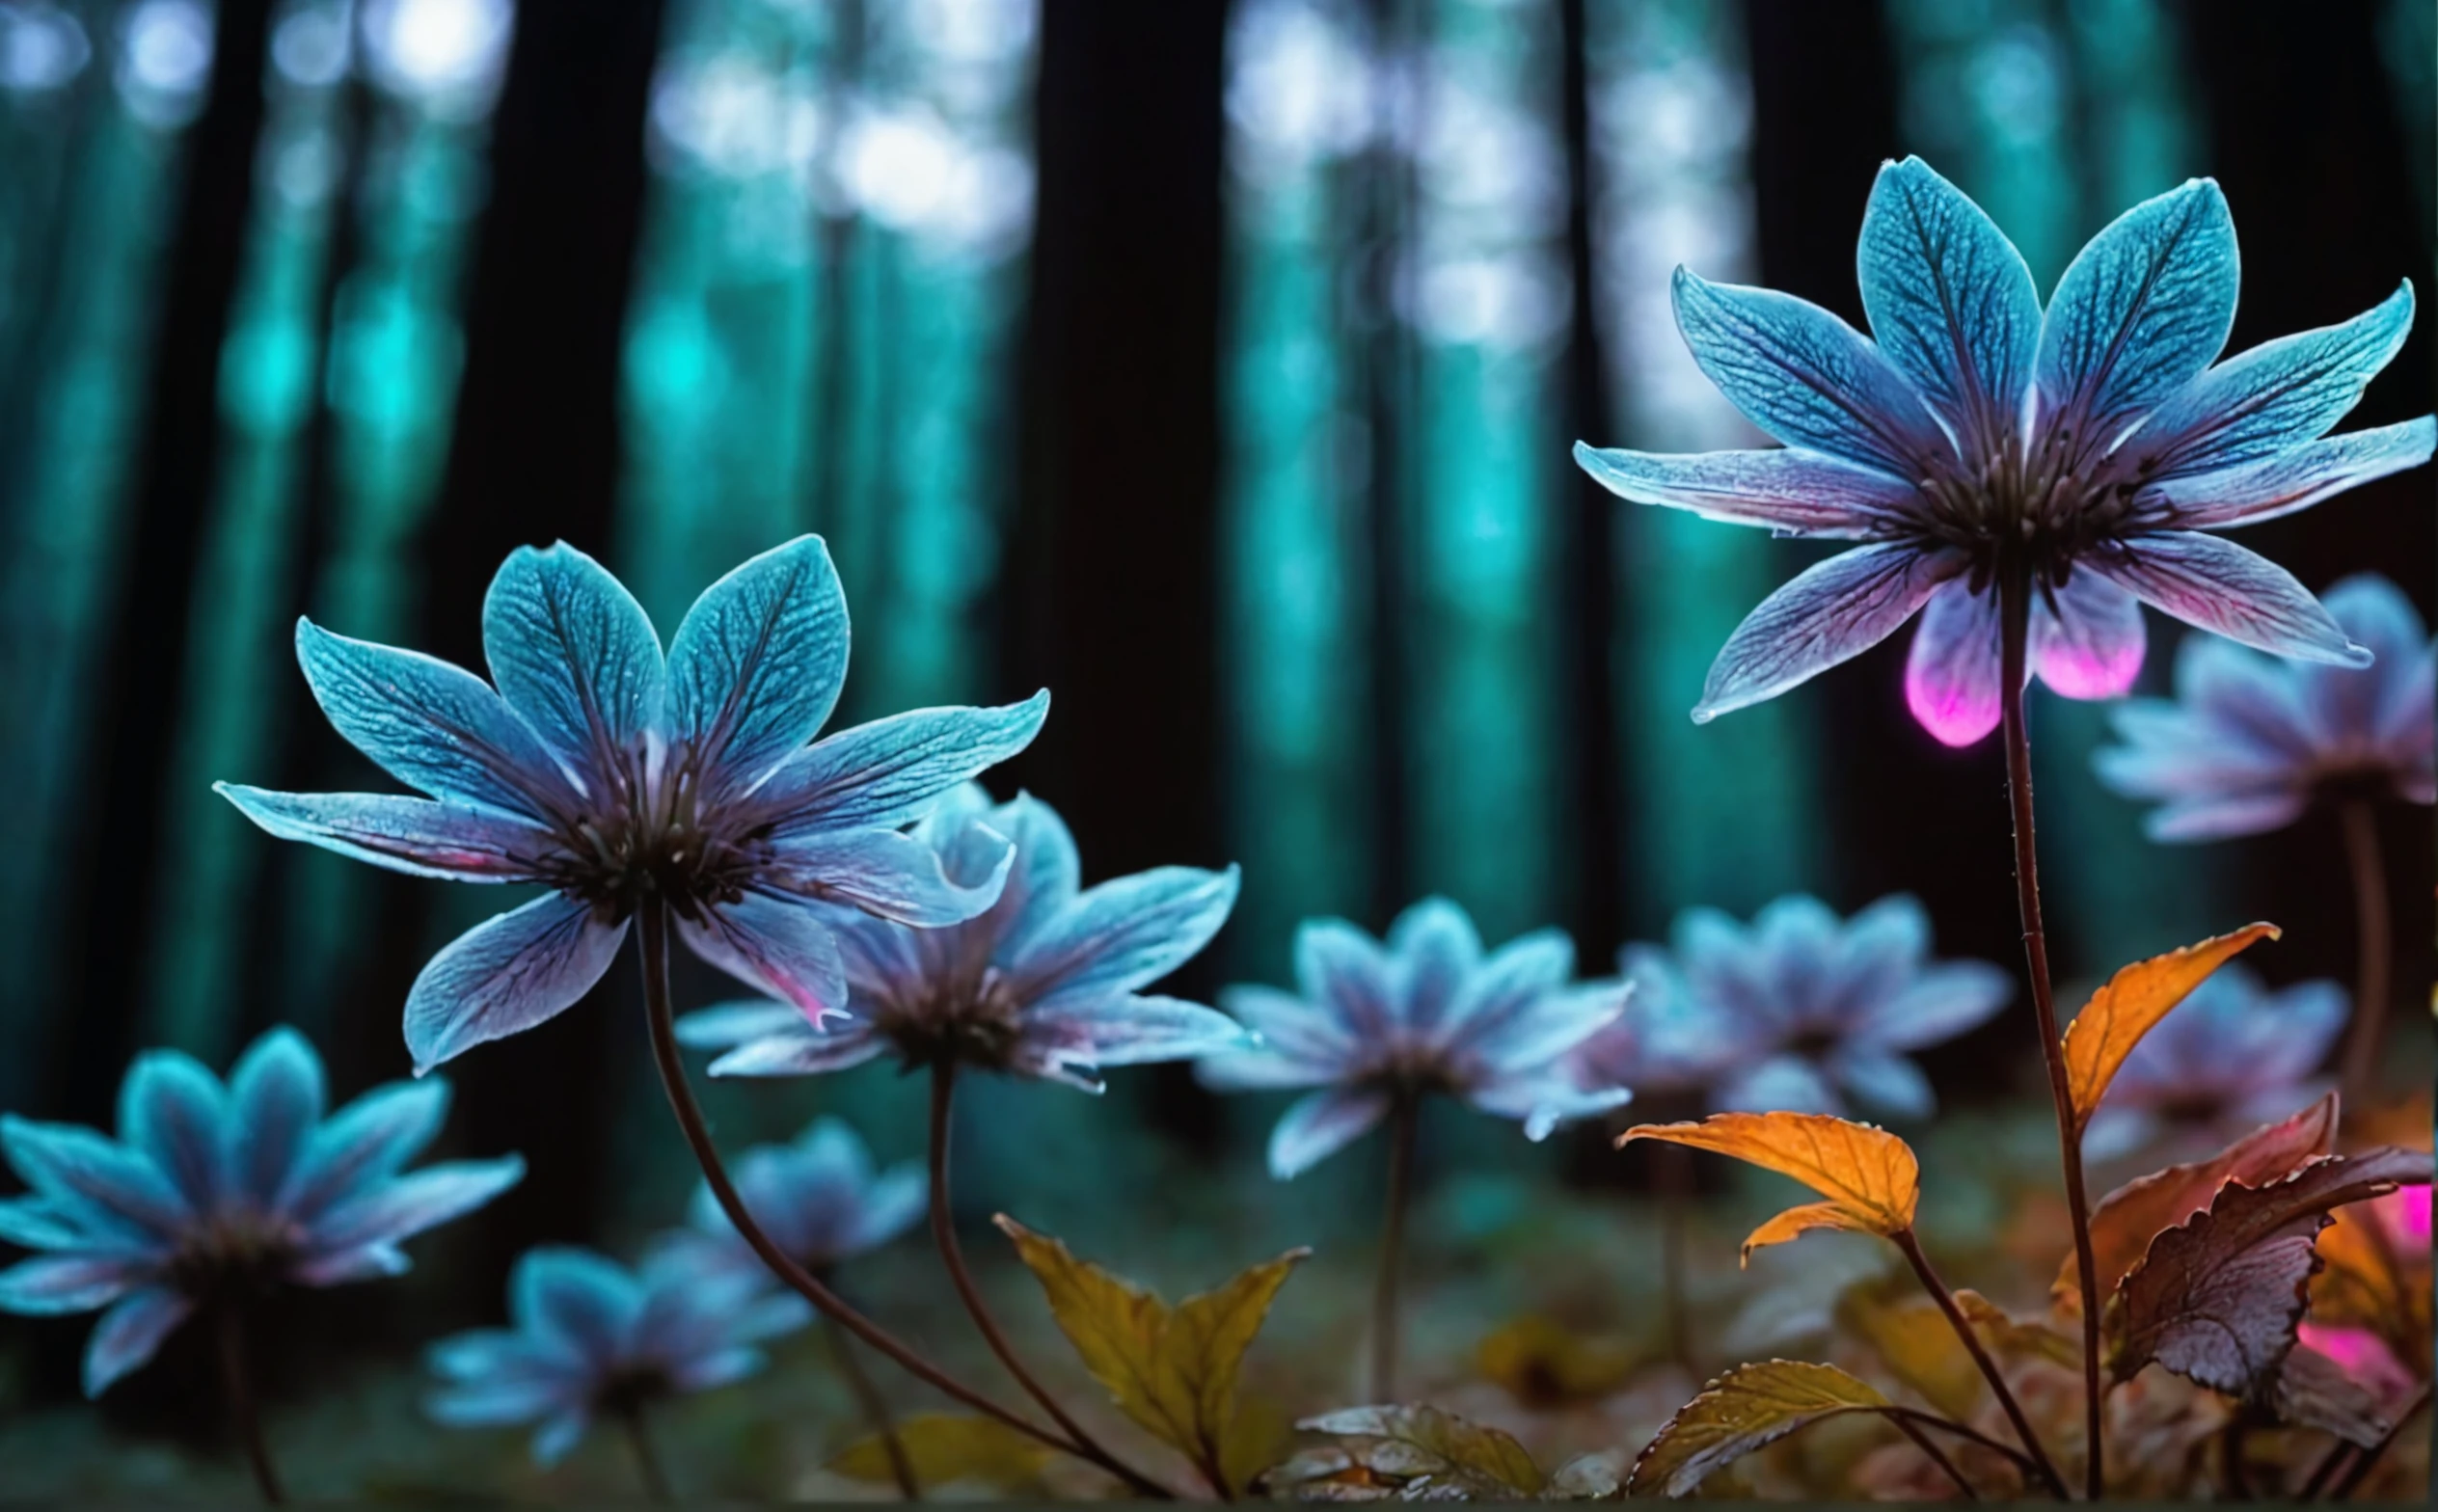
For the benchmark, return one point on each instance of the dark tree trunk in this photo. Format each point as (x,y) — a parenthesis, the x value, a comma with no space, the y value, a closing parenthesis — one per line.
(139,685)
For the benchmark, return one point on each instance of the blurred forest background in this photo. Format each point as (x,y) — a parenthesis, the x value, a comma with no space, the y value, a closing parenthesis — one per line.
(1214,366)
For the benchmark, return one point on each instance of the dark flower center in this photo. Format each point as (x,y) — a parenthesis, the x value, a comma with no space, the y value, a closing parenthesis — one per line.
(974,1023)
(654,834)
(238,1254)
(630,1388)
(2193,1108)
(2041,506)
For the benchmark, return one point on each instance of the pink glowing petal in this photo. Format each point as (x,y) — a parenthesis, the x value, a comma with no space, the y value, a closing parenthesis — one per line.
(1951,677)
(2404,1215)
(2364,1357)
(2090,645)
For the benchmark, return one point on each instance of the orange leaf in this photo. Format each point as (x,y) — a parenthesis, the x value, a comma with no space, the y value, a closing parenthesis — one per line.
(1868,1175)
(2133,1003)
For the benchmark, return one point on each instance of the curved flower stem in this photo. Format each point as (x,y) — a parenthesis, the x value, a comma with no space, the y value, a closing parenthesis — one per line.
(237,1383)
(1938,1457)
(944,1235)
(1938,1293)
(2369,1459)
(647,1459)
(2371,942)
(875,1407)
(652,922)
(1405,1117)
(2014,621)
(1904,1415)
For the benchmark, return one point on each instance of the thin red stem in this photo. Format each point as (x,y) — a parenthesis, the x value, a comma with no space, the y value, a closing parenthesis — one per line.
(1938,1293)
(876,1408)
(237,1383)
(1938,1457)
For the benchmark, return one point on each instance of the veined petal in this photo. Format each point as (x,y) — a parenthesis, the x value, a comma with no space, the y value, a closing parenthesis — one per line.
(1951,673)
(367,1140)
(1551,1024)
(1343,970)
(1286,1023)
(275,1098)
(2087,639)
(415,836)
(1938,1002)
(1792,491)
(434,726)
(887,873)
(1124,934)
(891,771)
(2273,398)
(1951,302)
(725,1025)
(1126,1029)
(1047,874)
(777,945)
(2223,588)
(1321,1125)
(2143,307)
(406,1206)
(1519,975)
(1542,1099)
(1268,1070)
(52,1284)
(575,656)
(96,1182)
(2225,818)
(130,1333)
(507,975)
(802,1051)
(1831,613)
(174,1112)
(2291,480)
(755,667)
(1805,376)
(1433,947)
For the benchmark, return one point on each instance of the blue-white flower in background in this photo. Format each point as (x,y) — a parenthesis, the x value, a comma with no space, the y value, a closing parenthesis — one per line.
(213,1191)
(1802,1009)
(2232,1055)
(1046,982)
(1668,1041)
(820,1198)
(2085,447)
(591,1337)
(1427,1011)
(2247,743)
(617,776)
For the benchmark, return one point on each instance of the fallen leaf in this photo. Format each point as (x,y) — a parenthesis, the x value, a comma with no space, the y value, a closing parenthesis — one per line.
(2217,1300)
(1173,1371)
(945,1449)
(2129,1218)
(1587,1477)
(1416,1441)
(2133,1003)
(2314,1391)
(1545,1365)
(1748,1408)
(1868,1175)
(1915,1341)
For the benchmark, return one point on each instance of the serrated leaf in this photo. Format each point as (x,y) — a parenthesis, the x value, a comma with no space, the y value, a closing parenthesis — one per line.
(2314,1391)
(2217,1300)
(944,1448)
(1915,1342)
(1748,1408)
(2129,1218)
(2133,1003)
(1173,1371)
(1868,1175)
(1544,1365)
(1418,1440)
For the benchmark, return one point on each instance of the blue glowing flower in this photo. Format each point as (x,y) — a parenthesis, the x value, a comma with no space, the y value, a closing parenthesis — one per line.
(818,1198)
(2248,742)
(591,1336)
(1428,1013)
(2086,449)
(1044,983)
(1799,1008)
(212,1189)
(2231,1056)
(1666,1041)
(612,774)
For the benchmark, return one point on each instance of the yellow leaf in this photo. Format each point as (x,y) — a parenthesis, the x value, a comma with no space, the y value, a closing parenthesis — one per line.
(1868,1175)
(2013,1339)
(1915,1342)
(1748,1408)
(1173,1371)
(2133,1003)
(1546,1364)
(1420,1440)
(944,1448)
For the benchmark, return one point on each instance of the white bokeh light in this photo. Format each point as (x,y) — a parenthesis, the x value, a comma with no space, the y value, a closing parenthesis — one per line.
(311,46)
(41,47)
(164,60)
(1299,91)
(445,55)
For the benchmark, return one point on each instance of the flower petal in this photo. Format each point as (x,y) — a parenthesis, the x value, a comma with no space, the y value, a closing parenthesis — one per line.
(1951,673)
(2087,639)
(1542,1099)
(1268,1070)
(436,727)
(1805,376)
(1047,874)
(51,1285)
(2292,480)
(415,836)
(892,1204)
(130,1333)
(889,874)
(1551,1024)
(1344,972)
(507,975)
(174,1112)
(1833,611)
(777,945)
(368,1141)
(575,656)
(1321,1125)
(2143,307)
(1287,1024)
(1781,1084)
(96,1182)
(404,1206)
(575,1302)
(1885,1080)
(2274,398)
(1518,976)
(34,1223)
(1951,302)
(495,1403)
(891,771)
(1938,1003)
(1122,1030)
(276,1099)
(755,667)
(723,1026)
(1122,935)
(339,1267)
(802,1051)
(1791,491)
(2224,818)
(1433,947)
(2224,588)
(724,1366)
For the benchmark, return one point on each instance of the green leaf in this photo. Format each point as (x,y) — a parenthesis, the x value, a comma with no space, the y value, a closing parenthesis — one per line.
(1748,1408)
(1173,1371)
(1915,1341)
(1417,1440)
(945,1449)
